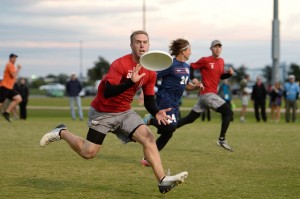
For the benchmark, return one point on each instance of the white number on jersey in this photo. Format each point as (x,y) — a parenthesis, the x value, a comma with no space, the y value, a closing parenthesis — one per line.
(184,80)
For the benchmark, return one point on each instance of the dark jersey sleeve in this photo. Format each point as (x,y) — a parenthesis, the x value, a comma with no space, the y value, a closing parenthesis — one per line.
(114,90)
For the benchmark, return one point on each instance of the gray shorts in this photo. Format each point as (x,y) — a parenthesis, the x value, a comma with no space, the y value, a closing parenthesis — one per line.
(122,124)
(208,100)
(245,100)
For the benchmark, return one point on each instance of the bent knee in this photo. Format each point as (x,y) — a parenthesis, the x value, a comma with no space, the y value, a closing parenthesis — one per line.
(88,155)
(18,98)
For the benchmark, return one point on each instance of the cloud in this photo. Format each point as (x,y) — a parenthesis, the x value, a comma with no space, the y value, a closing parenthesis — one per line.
(49,29)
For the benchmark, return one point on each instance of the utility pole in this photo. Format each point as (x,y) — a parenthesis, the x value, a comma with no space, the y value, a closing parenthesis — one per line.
(275,44)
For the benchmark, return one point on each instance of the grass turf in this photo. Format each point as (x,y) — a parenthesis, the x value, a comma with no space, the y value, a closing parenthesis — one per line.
(265,162)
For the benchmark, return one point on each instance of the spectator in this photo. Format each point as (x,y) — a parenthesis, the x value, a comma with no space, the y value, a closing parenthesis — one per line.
(73,89)
(291,93)
(206,115)
(23,90)
(225,92)
(275,101)
(258,96)
(244,96)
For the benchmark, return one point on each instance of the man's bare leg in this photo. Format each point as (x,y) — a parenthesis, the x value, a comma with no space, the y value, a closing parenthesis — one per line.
(143,136)
(84,148)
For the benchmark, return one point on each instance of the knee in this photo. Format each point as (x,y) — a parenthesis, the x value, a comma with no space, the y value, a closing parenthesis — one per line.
(192,116)
(88,154)
(167,131)
(18,99)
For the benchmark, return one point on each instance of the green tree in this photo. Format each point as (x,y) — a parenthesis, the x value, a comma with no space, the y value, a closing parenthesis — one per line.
(62,78)
(267,74)
(37,83)
(100,68)
(240,73)
(295,70)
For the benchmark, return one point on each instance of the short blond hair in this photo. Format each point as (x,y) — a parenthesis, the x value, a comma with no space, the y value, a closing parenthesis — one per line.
(138,32)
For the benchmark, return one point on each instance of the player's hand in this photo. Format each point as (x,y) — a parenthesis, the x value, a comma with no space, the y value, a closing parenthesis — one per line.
(195,81)
(162,116)
(135,73)
(19,67)
(231,71)
(201,86)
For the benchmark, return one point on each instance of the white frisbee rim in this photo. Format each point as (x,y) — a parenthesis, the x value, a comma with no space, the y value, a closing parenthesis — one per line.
(168,60)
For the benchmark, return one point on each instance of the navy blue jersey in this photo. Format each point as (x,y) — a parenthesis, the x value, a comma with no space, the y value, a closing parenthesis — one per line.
(173,83)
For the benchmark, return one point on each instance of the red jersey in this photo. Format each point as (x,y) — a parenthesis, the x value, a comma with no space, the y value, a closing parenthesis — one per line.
(211,69)
(119,72)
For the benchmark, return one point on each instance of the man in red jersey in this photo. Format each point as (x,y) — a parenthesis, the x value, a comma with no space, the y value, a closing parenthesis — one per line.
(212,70)
(7,85)
(111,111)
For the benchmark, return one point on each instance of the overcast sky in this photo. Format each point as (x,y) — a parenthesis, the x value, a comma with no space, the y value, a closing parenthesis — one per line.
(46,34)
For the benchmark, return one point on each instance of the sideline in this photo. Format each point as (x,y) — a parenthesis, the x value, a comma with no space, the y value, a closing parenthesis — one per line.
(136,108)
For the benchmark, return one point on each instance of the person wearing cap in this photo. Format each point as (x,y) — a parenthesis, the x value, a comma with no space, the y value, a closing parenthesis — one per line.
(212,71)
(73,88)
(291,94)
(7,84)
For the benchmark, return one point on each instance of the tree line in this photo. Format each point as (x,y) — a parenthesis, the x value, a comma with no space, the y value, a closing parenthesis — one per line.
(101,66)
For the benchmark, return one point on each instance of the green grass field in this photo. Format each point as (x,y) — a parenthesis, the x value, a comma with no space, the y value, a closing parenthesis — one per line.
(265,163)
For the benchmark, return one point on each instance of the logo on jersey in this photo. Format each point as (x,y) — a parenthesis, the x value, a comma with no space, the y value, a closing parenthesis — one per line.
(212,65)
(129,74)
(181,71)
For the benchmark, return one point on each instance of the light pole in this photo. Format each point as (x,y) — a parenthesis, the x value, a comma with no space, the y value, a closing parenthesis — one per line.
(80,61)
(275,44)
(144,15)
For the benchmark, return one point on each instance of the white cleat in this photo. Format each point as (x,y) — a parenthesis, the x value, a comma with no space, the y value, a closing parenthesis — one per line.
(224,145)
(169,182)
(52,135)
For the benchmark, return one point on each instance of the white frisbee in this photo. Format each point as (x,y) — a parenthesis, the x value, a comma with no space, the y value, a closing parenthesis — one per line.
(156,60)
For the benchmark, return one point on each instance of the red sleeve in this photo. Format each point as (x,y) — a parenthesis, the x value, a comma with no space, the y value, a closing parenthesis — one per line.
(198,64)
(115,73)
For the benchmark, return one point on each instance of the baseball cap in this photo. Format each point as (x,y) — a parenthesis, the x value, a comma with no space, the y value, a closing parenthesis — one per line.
(215,42)
(291,76)
(12,55)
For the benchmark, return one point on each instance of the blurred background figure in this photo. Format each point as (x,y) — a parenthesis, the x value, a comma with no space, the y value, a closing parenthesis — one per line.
(206,115)
(275,101)
(23,90)
(225,92)
(73,89)
(7,86)
(258,96)
(291,94)
(244,91)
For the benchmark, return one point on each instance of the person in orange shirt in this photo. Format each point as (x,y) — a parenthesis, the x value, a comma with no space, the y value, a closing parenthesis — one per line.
(7,84)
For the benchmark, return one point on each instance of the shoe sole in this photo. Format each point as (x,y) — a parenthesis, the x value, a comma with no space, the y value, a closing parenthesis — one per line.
(168,188)
(45,143)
